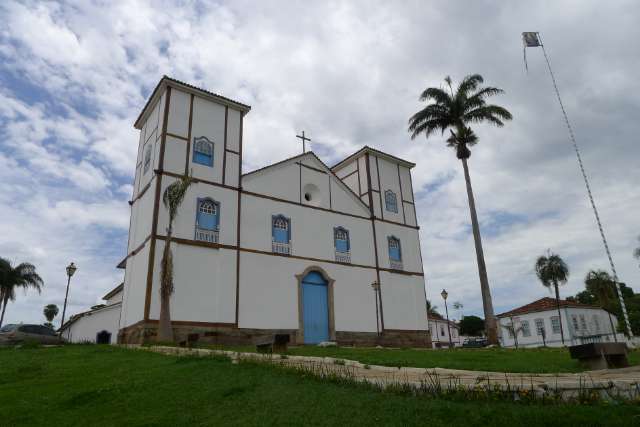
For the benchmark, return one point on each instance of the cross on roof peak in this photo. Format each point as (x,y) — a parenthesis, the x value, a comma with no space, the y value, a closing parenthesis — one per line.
(304,140)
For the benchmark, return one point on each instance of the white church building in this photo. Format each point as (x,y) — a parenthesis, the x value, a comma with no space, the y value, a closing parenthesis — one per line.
(319,253)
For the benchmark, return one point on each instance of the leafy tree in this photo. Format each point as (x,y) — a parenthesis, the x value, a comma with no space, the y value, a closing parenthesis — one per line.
(471,325)
(600,284)
(514,329)
(553,271)
(12,278)
(455,110)
(172,199)
(50,312)
(48,325)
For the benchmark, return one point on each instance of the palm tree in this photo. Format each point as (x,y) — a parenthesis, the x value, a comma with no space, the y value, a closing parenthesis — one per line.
(172,199)
(432,309)
(50,311)
(600,284)
(455,111)
(553,271)
(11,278)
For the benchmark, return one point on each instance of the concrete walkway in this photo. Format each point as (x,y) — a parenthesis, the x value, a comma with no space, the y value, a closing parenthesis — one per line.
(608,382)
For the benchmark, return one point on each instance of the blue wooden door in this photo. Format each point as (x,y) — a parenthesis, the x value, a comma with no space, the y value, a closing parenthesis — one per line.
(315,308)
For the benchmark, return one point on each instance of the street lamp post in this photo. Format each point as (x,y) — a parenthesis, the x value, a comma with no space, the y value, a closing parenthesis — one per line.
(376,289)
(71,269)
(444,295)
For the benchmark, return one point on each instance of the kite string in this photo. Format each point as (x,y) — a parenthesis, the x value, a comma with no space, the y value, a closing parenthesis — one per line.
(593,204)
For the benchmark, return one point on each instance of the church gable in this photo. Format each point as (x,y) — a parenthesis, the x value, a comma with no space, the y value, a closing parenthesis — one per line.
(304,179)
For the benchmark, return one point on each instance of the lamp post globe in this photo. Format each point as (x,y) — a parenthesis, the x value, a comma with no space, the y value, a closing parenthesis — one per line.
(71,269)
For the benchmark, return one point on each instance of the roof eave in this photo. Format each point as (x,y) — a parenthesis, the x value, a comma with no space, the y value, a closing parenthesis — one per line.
(169,81)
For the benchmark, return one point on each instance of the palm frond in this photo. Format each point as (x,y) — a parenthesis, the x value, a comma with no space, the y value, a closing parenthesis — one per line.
(469,83)
(438,95)
(174,195)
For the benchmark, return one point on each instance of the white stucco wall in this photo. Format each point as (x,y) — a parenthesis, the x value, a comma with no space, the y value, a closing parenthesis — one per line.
(403,301)
(90,324)
(269,293)
(204,282)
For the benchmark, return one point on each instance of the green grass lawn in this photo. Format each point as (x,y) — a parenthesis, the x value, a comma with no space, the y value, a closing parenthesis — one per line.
(542,360)
(101,385)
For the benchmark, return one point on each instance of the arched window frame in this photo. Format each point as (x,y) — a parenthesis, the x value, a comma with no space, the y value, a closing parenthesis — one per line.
(202,231)
(203,151)
(147,158)
(342,251)
(278,244)
(391,201)
(394,262)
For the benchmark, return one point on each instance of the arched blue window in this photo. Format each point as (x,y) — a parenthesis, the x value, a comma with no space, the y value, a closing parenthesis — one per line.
(203,151)
(391,201)
(207,220)
(280,234)
(395,253)
(341,239)
(342,244)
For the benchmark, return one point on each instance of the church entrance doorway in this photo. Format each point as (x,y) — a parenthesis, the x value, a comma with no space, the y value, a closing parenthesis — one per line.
(315,308)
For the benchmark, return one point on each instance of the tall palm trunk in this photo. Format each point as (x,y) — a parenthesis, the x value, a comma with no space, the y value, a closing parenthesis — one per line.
(555,285)
(5,300)
(165,331)
(487,304)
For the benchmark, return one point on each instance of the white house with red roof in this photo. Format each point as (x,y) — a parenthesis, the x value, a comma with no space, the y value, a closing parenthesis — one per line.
(539,323)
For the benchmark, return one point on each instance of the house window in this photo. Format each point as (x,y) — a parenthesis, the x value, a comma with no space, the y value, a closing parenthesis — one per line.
(207,221)
(526,331)
(574,321)
(441,330)
(342,244)
(395,253)
(555,324)
(583,323)
(391,201)
(147,158)
(596,323)
(281,234)
(540,327)
(203,151)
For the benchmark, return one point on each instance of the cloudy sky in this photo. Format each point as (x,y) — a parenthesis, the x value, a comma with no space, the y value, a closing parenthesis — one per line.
(74,76)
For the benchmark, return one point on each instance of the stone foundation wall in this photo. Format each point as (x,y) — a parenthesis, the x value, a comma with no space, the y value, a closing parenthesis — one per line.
(230,335)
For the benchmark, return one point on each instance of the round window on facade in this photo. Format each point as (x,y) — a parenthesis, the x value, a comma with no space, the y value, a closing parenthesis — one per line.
(312,195)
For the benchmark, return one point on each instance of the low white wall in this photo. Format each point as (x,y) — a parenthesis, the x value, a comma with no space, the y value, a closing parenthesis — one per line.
(89,325)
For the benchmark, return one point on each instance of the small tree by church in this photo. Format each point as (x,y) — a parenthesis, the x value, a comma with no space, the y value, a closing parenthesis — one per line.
(50,311)
(172,199)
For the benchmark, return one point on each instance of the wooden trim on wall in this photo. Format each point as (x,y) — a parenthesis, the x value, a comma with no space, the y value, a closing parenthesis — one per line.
(330,201)
(201,244)
(311,167)
(224,153)
(141,193)
(375,239)
(404,217)
(173,135)
(156,208)
(188,155)
(239,219)
(347,175)
(379,189)
(232,151)
(359,184)
(413,197)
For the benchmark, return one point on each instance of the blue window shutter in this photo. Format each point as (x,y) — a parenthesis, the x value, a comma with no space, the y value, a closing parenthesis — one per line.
(208,221)
(394,249)
(203,151)
(342,246)
(280,235)
(341,239)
